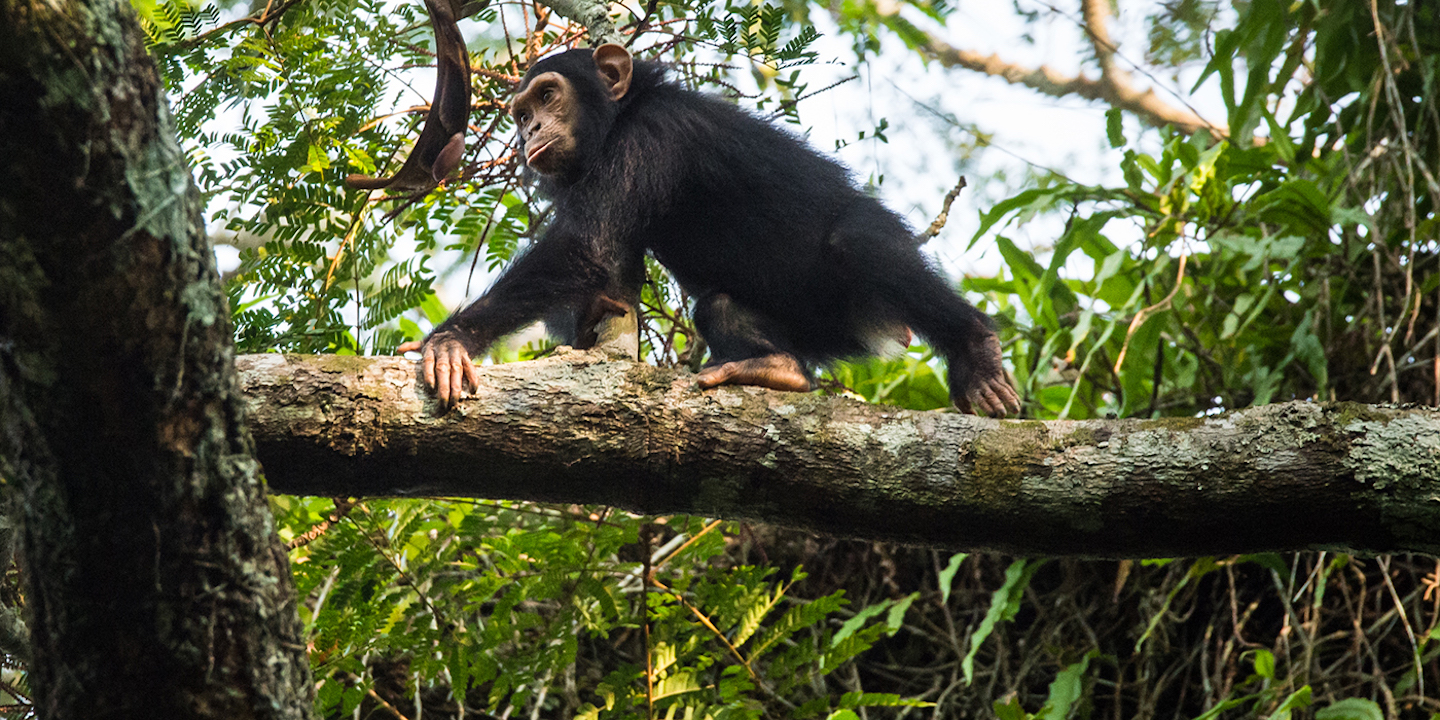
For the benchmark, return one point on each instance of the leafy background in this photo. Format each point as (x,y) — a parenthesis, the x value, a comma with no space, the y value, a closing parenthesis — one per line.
(1290,256)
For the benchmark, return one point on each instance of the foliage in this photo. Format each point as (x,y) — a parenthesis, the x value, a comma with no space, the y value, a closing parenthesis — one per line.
(1291,257)
(518,604)
(1293,268)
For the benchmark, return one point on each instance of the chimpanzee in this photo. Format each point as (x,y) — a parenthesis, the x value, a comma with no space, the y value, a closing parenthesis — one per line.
(790,264)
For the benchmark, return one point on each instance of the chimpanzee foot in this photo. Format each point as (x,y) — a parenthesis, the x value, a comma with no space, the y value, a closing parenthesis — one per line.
(989,390)
(615,326)
(991,396)
(780,371)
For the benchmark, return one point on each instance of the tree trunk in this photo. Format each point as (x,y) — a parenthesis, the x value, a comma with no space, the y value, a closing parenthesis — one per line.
(575,428)
(155,583)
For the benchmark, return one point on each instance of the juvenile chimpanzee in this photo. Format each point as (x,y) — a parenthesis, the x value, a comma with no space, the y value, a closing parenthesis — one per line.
(789,262)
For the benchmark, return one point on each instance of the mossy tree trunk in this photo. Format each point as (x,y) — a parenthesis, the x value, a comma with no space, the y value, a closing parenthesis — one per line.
(155,583)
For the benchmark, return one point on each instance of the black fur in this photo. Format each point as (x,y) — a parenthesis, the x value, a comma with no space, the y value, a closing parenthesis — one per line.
(780,248)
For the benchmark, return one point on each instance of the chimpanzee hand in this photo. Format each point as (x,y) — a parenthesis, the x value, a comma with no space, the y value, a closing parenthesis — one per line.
(989,391)
(446,366)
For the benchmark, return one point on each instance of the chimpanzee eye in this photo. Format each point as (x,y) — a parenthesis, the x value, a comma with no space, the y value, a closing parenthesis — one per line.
(548,95)
(523,118)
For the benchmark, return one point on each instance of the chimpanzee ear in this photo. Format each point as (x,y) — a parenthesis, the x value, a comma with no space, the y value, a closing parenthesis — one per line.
(613,63)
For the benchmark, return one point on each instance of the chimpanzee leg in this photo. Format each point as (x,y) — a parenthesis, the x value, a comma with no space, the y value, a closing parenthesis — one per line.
(926,302)
(613,316)
(607,320)
(582,327)
(745,349)
(611,324)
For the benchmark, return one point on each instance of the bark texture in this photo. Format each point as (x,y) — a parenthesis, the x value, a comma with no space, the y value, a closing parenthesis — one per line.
(155,583)
(577,428)
(593,14)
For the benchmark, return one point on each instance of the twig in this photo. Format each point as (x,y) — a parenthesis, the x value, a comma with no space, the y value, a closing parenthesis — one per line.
(343,506)
(1144,314)
(944,215)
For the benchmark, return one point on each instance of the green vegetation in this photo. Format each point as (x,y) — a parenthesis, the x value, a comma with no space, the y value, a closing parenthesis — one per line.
(1287,252)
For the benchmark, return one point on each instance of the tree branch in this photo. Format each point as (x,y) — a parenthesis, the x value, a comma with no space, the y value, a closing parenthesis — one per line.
(593,14)
(574,428)
(1115,87)
(1119,84)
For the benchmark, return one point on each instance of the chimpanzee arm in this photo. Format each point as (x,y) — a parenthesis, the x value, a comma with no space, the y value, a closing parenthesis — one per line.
(555,271)
(560,269)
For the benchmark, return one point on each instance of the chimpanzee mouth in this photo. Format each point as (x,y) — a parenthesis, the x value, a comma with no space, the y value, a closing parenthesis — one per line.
(531,155)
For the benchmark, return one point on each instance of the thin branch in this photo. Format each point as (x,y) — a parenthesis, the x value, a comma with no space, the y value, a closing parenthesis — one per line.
(1146,313)
(264,18)
(939,223)
(1120,84)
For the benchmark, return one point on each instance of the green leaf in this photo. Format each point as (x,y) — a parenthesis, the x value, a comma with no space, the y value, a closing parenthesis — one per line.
(795,619)
(912,36)
(864,699)
(1010,710)
(1137,372)
(1066,689)
(1280,138)
(895,618)
(434,310)
(1114,130)
(680,683)
(1295,701)
(1025,205)
(1351,709)
(947,576)
(1298,205)
(859,620)
(1269,561)
(1232,703)
(1265,663)
(1306,347)
(1130,168)
(1004,603)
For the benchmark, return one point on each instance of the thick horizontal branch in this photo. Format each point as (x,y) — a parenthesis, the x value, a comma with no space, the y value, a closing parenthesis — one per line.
(578,429)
